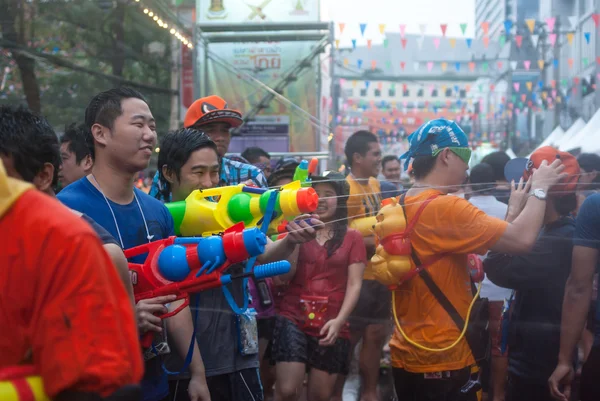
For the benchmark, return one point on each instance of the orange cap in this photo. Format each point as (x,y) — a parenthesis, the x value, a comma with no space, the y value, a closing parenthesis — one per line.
(211,109)
(548,153)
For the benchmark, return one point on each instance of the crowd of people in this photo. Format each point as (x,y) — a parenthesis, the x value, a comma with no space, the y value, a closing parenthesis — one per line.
(524,330)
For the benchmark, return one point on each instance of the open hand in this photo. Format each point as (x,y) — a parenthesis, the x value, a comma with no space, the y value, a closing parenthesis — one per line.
(547,175)
(518,198)
(146,309)
(331,331)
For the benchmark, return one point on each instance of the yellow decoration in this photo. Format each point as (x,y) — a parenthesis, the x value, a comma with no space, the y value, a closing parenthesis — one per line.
(570,37)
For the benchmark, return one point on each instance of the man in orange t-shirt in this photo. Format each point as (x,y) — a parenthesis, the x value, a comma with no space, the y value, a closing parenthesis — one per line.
(452,226)
(63,307)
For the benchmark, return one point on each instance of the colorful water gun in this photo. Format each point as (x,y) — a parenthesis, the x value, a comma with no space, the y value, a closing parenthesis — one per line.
(199,216)
(21,383)
(305,170)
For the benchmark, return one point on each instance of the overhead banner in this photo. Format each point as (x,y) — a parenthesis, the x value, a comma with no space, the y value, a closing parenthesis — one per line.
(238,72)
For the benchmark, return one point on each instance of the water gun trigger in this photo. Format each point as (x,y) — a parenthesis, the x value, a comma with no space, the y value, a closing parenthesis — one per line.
(186,302)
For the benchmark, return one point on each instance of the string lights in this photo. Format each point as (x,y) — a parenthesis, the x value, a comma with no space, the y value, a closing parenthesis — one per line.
(173,31)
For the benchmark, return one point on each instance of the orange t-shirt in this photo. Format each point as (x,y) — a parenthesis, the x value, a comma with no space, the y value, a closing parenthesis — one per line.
(364,200)
(62,301)
(449,224)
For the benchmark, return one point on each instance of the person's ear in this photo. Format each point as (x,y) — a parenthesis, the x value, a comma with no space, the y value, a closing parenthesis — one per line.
(43,179)
(100,133)
(356,157)
(87,163)
(169,174)
(444,156)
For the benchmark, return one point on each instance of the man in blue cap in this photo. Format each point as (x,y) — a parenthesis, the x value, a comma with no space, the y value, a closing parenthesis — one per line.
(431,360)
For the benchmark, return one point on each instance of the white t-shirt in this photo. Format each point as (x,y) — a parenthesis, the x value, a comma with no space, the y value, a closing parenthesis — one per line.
(492,207)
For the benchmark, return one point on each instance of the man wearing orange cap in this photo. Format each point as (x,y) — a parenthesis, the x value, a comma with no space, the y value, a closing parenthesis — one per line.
(212,116)
(539,278)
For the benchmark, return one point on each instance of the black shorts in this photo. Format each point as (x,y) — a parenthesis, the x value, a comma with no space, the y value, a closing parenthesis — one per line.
(374,306)
(243,385)
(448,386)
(265,331)
(290,344)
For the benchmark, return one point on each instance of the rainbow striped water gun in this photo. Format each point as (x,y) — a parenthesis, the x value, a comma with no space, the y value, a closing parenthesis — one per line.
(21,383)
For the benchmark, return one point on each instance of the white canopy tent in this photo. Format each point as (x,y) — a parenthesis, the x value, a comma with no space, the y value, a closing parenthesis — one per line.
(588,138)
(570,134)
(553,138)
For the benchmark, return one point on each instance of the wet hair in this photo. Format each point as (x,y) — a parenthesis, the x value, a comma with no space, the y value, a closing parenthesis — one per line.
(175,150)
(254,153)
(29,140)
(422,166)
(358,143)
(76,138)
(590,162)
(497,160)
(105,107)
(482,179)
(565,205)
(340,218)
(279,174)
(388,159)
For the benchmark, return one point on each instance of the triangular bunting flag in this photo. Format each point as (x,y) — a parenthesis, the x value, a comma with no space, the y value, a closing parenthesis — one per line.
(527,64)
(552,38)
(381,28)
(540,84)
(472,66)
(484,66)
(373,64)
(530,24)
(443,27)
(403,41)
(550,23)
(570,61)
(529,86)
(507,25)
(416,66)
(534,40)
(420,42)
(463,28)
(555,63)
(499,64)
(519,40)
(337,43)
(553,84)
(342,26)
(598,60)
(422,28)
(513,65)
(587,36)
(362,29)
(502,40)
(429,66)
(480,86)
(444,65)
(492,87)
(485,26)
(385,43)
(402,30)
(541,64)
(457,66)
(573,19)
(596,18)
(486,41)
(345,62)
(516,85)
(452,42)
(402,65)
(469,42)
(354,82)
(354,43)
(369,42)
(570,37)
(436,43)
(585,61)
(367,83)
(359,64)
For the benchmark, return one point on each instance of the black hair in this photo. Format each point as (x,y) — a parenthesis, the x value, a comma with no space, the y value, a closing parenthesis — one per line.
(497,160)
(287,172)
(340,218)
(286,162)
(590,162)
(358,143)
(565,205)
(29,140)
(422,166)
(253,153)
(105,107)
(76,138)
(175,150)
(482,179)
(387,159)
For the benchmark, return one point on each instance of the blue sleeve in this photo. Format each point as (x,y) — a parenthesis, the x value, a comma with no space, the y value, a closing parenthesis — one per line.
(259,179)
(587,232)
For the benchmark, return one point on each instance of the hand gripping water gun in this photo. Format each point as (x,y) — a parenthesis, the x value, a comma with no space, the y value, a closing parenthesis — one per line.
(21,383)
(199,216)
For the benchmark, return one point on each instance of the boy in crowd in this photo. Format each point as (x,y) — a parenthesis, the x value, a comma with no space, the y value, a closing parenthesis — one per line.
(122,131)
(67,310)
(447,230)
(539,278)
(390,168)
(258,157)
(75,153)
(188,161)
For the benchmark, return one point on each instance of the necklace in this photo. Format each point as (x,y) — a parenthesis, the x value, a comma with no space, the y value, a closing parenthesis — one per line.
(148,236)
